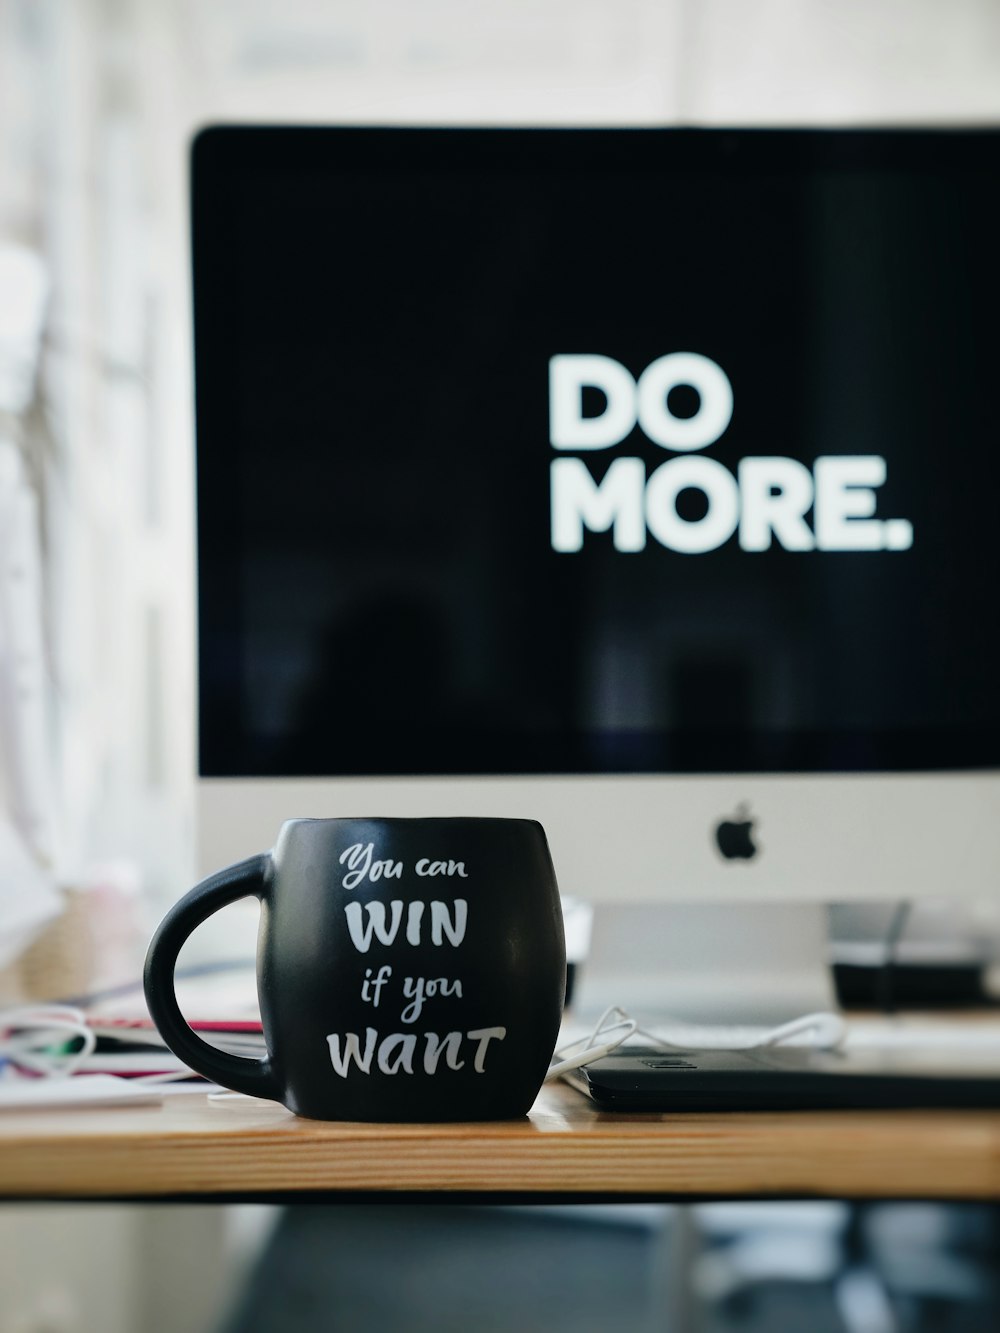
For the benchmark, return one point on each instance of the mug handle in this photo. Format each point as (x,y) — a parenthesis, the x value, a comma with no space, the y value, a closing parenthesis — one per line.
(256,1077)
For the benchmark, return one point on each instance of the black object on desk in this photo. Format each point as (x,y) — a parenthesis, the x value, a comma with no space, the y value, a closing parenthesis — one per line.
(778,1078)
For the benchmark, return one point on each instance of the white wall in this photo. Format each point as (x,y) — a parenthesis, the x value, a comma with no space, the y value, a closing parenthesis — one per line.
(112,1268)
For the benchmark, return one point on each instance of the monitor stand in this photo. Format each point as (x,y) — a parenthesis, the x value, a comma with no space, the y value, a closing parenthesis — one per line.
(727,963)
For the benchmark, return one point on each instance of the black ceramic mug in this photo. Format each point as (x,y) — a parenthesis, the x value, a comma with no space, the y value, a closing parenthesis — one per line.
(407,969)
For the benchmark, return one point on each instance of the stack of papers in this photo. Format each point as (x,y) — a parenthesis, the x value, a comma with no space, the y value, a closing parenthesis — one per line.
(94,1090)
(220,1006)
(132,1047)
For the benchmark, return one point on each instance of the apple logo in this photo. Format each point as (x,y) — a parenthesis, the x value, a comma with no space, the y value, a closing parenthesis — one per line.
(733,837)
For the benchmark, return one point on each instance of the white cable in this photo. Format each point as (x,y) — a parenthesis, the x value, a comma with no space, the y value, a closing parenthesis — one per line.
(829,1032)
(28,1033)
(593,1048)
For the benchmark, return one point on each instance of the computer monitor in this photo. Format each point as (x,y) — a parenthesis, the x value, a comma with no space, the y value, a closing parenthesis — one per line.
(643,482)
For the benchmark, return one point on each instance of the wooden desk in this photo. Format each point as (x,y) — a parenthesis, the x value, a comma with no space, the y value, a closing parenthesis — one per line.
(192,1147)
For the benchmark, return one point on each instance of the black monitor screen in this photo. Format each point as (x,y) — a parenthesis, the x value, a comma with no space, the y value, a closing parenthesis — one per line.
(573,451)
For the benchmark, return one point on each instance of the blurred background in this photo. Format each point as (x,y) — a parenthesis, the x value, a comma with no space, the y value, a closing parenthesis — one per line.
(98,103)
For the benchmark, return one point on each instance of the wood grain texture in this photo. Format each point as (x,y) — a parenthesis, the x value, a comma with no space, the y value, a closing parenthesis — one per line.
(193,1146)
